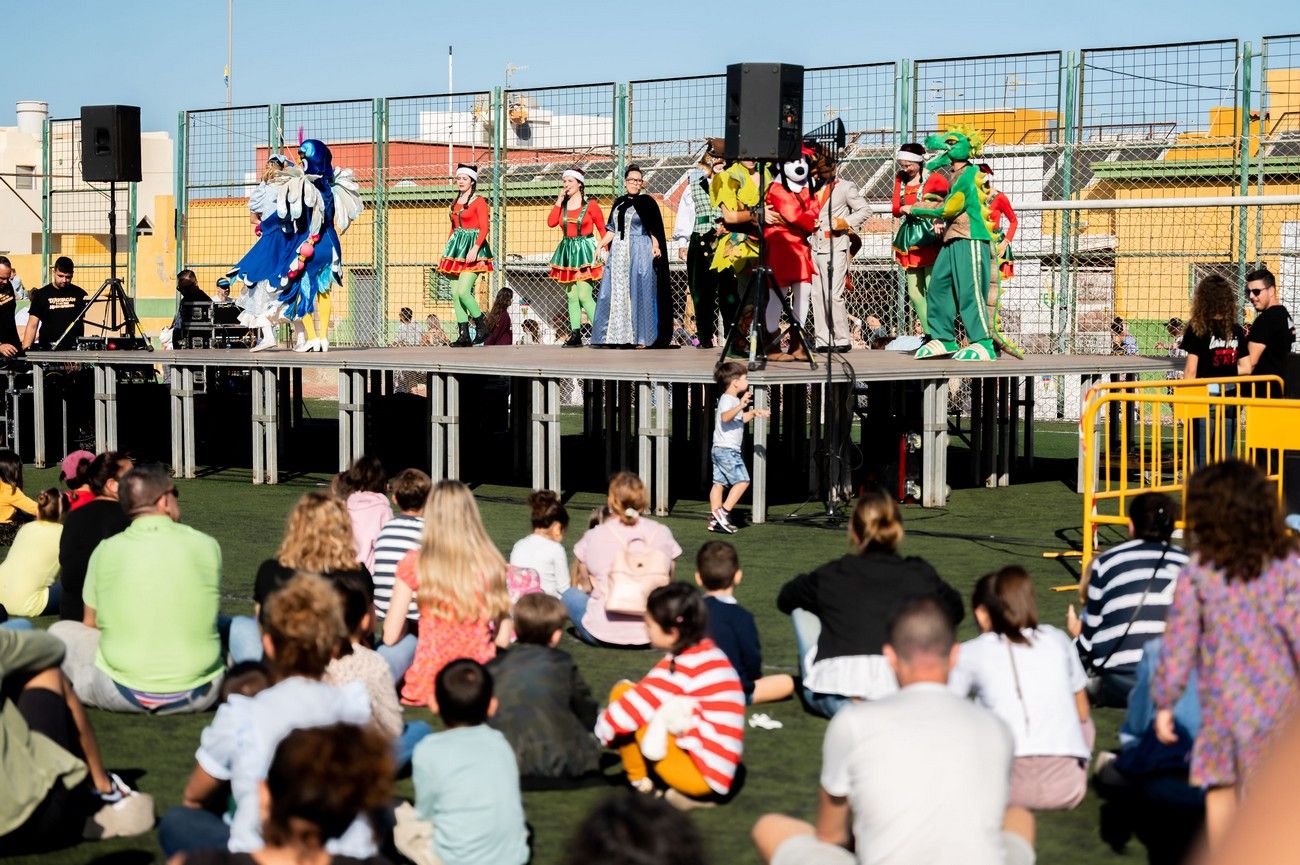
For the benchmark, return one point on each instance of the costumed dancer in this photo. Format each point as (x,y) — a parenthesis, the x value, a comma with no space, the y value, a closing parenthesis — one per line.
(836,241)
(1004,260)
(466,255)
(628,311)
(297,259)
(734,191)
(916,245)
(790,218)
(963,269)
(696,231)
(259,307)
(575,263)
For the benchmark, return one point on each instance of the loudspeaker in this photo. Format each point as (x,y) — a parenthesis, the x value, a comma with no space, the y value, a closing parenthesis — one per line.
(110,143)
(764,111)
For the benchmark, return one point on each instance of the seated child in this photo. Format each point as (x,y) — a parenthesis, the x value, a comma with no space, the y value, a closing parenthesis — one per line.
(731,626)
(682,726)
(544,708)
(468,809)
(543,550)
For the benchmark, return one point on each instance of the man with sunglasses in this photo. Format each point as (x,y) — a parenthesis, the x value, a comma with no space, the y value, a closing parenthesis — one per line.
(1271,335)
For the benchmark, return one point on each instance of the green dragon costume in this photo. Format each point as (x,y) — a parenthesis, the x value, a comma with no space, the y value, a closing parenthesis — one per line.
(962,278)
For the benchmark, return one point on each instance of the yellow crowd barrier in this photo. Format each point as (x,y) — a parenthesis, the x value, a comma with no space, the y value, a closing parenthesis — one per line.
(1148,436)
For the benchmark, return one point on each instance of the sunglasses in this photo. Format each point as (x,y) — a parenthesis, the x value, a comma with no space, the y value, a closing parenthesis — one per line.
(1255,292)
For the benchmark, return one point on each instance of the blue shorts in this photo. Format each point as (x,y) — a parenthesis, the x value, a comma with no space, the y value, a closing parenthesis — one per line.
(729,467)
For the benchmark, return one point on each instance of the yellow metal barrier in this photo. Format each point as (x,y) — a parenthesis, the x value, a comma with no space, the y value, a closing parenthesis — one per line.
(1140,437)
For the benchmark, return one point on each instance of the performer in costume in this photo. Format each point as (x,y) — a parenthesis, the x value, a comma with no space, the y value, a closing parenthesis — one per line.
(298,259)
(790,218)
(575,263)
(1000,209)
(466,255)
(842,212)
(696,231)
(915,243)
(962,271)
(734,191)
(628,311)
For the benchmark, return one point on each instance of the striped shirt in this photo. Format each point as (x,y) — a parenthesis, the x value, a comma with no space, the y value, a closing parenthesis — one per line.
(1119,578)
(398,537)
(703,673)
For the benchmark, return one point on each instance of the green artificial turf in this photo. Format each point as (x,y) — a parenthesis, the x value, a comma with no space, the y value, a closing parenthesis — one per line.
(979,531)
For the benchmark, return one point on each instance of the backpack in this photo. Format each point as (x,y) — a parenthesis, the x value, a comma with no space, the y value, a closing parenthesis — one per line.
(521,581)
(633,575)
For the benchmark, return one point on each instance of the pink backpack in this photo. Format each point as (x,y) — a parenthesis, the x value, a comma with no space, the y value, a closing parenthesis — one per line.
(638,569)
(521,581)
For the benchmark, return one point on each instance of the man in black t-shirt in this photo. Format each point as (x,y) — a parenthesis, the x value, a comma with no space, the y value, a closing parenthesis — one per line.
(11,345)
(1271,335)
(53,309)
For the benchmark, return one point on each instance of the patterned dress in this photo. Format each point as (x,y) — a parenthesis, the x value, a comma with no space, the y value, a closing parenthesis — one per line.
(1243,641)
(626,312)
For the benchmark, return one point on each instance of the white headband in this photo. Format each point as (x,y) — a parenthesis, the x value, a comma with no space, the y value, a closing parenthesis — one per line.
(467,171)
(575,174)
(908,156)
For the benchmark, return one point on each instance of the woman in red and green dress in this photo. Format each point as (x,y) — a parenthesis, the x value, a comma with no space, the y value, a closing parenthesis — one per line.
(467,254)
(576,263)
(915,244)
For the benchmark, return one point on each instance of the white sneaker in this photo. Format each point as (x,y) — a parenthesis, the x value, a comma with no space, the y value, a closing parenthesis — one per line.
(723,524)
(267,342)
(299,339)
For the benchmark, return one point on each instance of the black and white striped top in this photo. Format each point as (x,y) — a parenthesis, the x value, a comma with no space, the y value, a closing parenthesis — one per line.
(398,537)
(1119,577)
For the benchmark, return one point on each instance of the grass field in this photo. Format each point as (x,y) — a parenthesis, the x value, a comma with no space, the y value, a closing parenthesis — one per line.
(979,531)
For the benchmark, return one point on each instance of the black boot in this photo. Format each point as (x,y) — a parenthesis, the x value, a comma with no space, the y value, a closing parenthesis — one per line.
(480,329)
(462,340)
(575,339)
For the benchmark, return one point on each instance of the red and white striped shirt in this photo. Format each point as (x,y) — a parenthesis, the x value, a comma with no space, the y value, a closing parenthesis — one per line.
(702,673)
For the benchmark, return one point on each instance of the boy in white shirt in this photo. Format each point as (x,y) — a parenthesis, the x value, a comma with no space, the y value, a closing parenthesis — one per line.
(729,470)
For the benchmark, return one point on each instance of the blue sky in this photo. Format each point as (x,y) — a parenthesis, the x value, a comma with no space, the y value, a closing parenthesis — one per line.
(166,57)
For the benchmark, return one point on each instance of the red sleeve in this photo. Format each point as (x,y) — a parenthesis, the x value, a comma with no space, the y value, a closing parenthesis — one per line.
(898,196)
(478,213)
(1012,222)
(798,212)
(595,219)
(554,219)
(406,570)
(935,184)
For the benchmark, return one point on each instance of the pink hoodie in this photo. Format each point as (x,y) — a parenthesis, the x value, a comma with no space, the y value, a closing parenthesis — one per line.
(369,513)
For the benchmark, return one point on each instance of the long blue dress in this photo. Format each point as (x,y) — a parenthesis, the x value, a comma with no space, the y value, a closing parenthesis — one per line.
(626,311)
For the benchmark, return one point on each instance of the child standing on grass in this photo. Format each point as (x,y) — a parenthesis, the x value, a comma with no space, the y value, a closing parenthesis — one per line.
(729,470)
(682,725)
(731,626)
(543,550)
(459,579)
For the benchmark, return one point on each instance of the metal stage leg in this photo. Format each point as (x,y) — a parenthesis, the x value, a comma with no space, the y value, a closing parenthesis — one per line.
(110,406)
(259,431)
(38,415)
(101,411)
(644,433)
(453,427)
(189,443)
(663,421)
(175,386)
(934,443)
(553,436)
(537,422)
(762,399)
(437,390)
(360,391)
(271,412)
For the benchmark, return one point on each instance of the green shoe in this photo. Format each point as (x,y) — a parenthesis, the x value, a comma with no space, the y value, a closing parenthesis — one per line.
(982,350)
(935,348)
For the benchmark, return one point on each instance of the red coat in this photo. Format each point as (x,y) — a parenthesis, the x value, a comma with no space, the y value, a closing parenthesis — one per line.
(1000,207)
(788,253)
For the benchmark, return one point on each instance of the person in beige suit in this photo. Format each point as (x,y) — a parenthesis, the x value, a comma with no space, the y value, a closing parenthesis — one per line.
(834,243)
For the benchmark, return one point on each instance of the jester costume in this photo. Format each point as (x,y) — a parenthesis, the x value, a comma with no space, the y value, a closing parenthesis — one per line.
(297,259)
(916,246)
(469,230)
(962,274)
(575,263)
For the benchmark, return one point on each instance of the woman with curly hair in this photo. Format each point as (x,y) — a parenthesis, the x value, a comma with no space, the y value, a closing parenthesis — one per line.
(1233,621)
(1213,341)
(317,540)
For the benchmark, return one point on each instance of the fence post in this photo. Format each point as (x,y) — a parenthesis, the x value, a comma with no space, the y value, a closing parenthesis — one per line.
(1243,158)
(622,118)
(1263,131)
(45,201)
(379,236)
(181,204)
(133,221)
(903,122)
(1063,302)
(498,183)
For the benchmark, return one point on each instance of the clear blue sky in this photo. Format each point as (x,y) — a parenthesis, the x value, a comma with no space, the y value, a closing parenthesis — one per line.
(166,57)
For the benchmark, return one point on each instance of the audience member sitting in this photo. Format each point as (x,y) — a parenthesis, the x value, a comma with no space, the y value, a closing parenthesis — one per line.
(606,546)
(303,625)
(1030,676)
(681,728)
(840,611)
(468,808)
(87,525)
(543,550)
(364,487)
(1126,592)
(459,578)
(56,789)
(319,781)
(149,640)
(1232,621)
(544,708)
(317,540)
(917,777)
(28,574)
(731,626)
(409,489)
(12,498)
(357,662)
(74,470)
(627,829)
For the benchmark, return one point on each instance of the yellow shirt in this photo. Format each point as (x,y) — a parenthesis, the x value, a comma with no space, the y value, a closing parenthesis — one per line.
(30,569)
(13,499)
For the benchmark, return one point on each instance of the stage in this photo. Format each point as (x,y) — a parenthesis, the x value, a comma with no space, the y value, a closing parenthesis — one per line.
(646,394)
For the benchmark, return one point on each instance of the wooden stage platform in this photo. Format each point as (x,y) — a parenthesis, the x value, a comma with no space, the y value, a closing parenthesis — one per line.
(647,375)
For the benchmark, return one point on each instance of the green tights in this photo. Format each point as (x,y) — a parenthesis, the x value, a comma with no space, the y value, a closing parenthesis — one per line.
(580,300)
(917,280)
(462,293)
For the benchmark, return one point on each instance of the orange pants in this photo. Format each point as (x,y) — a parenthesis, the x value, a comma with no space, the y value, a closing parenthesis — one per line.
(676,769)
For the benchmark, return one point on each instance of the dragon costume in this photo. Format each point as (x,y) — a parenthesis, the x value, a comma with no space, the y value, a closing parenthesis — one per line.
(961,281)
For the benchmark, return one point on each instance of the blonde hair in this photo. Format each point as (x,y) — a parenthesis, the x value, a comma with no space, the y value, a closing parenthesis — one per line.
(627,492)
(318,536)
(876,524)
(461,572)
